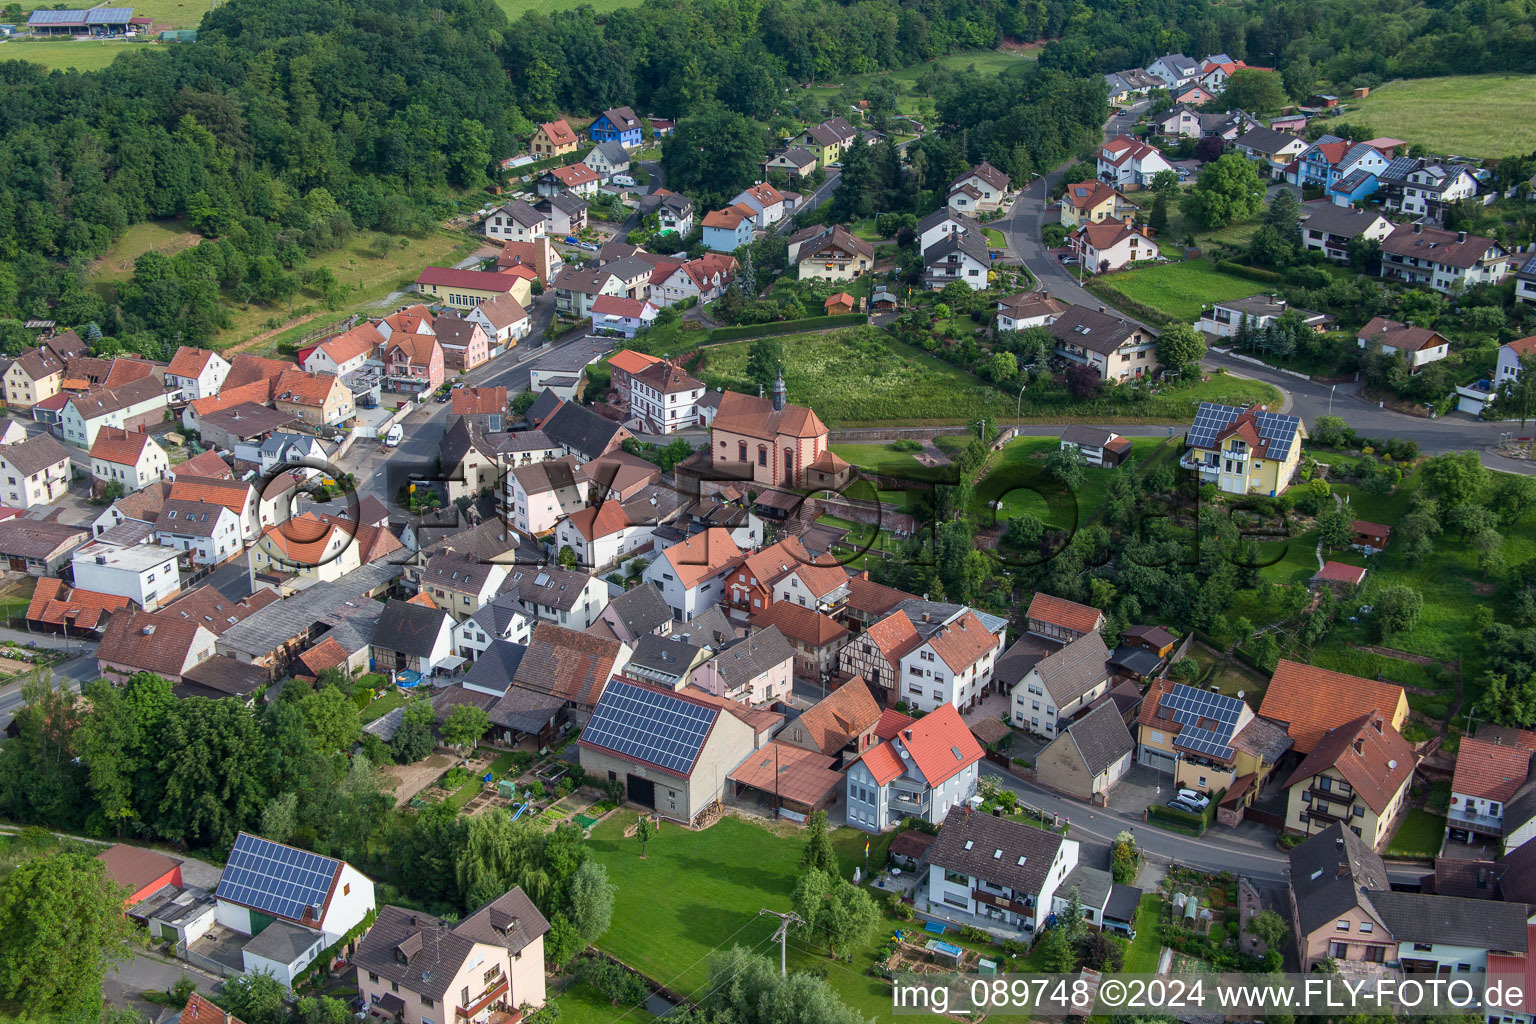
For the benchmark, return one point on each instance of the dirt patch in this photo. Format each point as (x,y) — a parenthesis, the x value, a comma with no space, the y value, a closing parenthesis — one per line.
(410,779)
(11,666)
(1483,589)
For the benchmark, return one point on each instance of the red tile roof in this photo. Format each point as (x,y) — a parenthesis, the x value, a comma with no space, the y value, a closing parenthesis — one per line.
(895,636)
(234,495)
(189,362)
(963,642)
(57,603)
(842,716)
(701,556)
(804,625)
(1310,701)
(1058,611)
(558,133)
(1489,770)
(359,341)
(474,280)
(324,655)
(883,763)
(1373,758)
(940,744)
(118,446)
(1339,572)
(574,175)
(205,464)
(891,722)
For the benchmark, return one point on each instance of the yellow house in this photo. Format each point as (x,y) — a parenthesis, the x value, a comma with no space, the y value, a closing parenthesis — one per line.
(33,377)
(1244,451)
(1357,776)
(1093,202)
(835,254)
(466,289)
(1208,742)
(553,139)
(316,398)
(306,546)
(826,141)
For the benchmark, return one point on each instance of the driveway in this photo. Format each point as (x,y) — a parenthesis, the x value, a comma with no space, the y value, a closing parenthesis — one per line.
(144,973)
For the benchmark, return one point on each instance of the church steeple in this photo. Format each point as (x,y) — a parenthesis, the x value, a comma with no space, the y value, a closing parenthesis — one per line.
(780,393)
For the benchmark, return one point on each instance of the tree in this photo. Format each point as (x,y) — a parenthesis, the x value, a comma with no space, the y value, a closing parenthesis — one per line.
(1083,382)
(1069,464)
(562,943)
(1227,191)
(644,832)
(332,719)
(1397,611)
(1333,530)
(1003,368)
(848,916)
(713,154)
(1269,928)
(1180,348)
(1055,954)
(280,817)
(1488,545)
(62,918)
(591,898)
(465,725)
(1255,91)
(1455,478)
(1158,220)
(1124,859)
(413,740)
(1284,213)
(1073,922)
(764,357)
(1165,184)
(818,854)
(255,997)
(1416,535)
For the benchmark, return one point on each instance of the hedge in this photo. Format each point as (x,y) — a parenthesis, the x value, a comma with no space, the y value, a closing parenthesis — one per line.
(1251,273)
(1177,818)
(810,323)
(1122,301)
(564,160)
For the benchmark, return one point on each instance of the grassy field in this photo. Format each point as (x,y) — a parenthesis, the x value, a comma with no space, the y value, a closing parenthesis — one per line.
(517,8)
(994,62)
(164,236)
(1141,956)
(1466,115)
(166,13)
(582,1004)
(67,54)
(1020,468)
(1181,290)
(887,461)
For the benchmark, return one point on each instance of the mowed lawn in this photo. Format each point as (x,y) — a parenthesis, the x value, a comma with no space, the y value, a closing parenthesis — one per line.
(1468,115)
(70,54)
(1182,289)
(517,8)
(698,891)
(164,236)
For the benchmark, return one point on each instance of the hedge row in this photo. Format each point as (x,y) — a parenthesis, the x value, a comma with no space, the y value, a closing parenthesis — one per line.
(810,323)
(564,160)
(1251,273)
(1176,817)
(1121,301)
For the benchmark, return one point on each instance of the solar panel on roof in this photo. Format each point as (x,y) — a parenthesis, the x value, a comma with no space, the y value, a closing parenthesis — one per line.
(655,727)
(108,15)
(275,879)
(57,18)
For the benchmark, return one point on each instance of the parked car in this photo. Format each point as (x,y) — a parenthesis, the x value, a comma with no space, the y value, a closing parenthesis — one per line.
(1069,261)
(1190,796)
(625,180)
(1183,805)
(458,385)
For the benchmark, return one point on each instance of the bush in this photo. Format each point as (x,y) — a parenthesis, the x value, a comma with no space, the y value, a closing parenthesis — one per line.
(1251,273)
(971,933)
(1053,234)
(455,777)
(1174,816)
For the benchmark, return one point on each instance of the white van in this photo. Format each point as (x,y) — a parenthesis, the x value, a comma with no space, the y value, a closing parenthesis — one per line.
(393,437)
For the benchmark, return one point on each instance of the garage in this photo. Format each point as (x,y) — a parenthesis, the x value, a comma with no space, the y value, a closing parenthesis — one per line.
(1157,759)
(641,791)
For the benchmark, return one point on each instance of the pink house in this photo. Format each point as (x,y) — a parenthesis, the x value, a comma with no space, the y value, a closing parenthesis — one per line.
(413,363)
(465,343)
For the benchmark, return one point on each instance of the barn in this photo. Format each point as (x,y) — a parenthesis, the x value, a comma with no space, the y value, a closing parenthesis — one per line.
(141,872)
(98,21)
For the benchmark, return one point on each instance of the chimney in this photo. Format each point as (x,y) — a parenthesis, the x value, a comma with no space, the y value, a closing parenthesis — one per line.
(1359,745)
(1461,236)
(1418,229)
(907,733)
(925,616)
(1339,842)
(1101,309)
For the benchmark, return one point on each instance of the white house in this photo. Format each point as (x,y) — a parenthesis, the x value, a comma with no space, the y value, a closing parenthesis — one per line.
(1486,780)
(1124,162)
(1175,69)
(196,373)
(691,574)
(619,314)
(345,352)
(1450,936)
(1329,228)
(963,258)
(665,398)
(607,159)
(1111,245)
(703,279)
(503,318)
(459,584)
(1060,685)
(942,223)
(539,494)
(998,871)
(984,188)
(503,618)
(145,574)
(132,460)
(1419,345)
(1447,261)
(1028,309)
(1225,319)
(1417,187)
(265,882)
(34,472)
(136,405)
(412,637)
(768,201)
(571,598)
(516,222)
(952,666)
(920,769)
(210,532)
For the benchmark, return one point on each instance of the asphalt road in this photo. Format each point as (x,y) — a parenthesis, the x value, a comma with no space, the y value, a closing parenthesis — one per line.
(71,674)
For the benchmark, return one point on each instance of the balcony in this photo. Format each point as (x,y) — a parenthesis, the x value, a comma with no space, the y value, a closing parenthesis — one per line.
(1207,470)
(498,987)
(1472,821)
(1020,907)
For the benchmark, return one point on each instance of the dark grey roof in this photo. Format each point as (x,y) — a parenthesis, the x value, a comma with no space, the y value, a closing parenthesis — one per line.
(662,658)
(749,657)
(282,942)
(1516,872)
(35,454)
(1022,655)
(1092,885)
(971,243)
(1265,140)
(1075,669)
(546,585)
(710,628)
(409,628)
(275,625)
(1123,902)
(459,573)
(1323,215)
(1136,660)
(1101,737)
(613,151)
(191,518)
(221,676)
(424,954)
(1266,306)
(1027,853)
(546,403)
(498,613)
(525,709)
(943,214)
(524,214)
(1087,437)
(566,202)
(496,667)
(1265,739)
(387,724)
(450,697)
(1329,872)
(1098,332)
(581,430)
(38,538)
(1453,920)
(642,610)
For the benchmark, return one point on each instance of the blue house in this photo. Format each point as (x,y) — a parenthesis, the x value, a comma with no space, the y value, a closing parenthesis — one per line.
(729,229)
(1352,188)
(617,125)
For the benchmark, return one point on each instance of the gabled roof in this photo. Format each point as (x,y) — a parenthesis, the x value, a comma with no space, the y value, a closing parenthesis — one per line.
(940,744)
(191,518)
(1453,920)
(987,173)
(189,362)
(1088,195)
(702,556)
(558,133)
(1105,234)
(1401,336)
(1058,611)
(56,602)
(1332,873)
(756,417)
(1310,701)
(997,850)
(570,665)
(622,118)
(478,280)
(1098,332)
(971,243)
(362,340)
(1276,433)
(838,237)
(744,659)
(659,727)
(148,642)
(1490,771)
(1369,753)
(962,641)
(1071,672)
(1339,572)
(38,538)
(409,628)
(574,175)
(840,717)
(883,763)
(579,428)
(1456,249)
(100,402)
(894,636)
(641,610)
(41,451)
(1101,737)
(802,625)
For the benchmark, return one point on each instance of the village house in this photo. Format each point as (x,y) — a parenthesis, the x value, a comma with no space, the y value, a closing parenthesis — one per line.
(57,607)
(38,547)
(1111,245)
(1487,777)
(703,279)
(579,179)
(582,433)
(307,547)
(731,228)
(346,352)
(1208,742)
(617,125)
(502,619)
(1056,618)
(982,189)
(1447,261)
(1028,309)
(465,343)
(140,641)
(1124,162)
(1175,70)
(953,661)
(833,253)
(942,223)
(607,159)
(539,494)
(1357,775)
(1310,701)
(1060,685)
(411,966)
(466,289)
(317,399)
(1330,229)
(1089,755)
(1418,346)
(1123,85)
(461,585)
(1099,447)
(1259,312)
(815,637)
(413,363)
(1418,187)
(664,399)
(196,372)
(1117,348)
(413,637)
(236,495)
(1270,150)
(121,562)
(795,162)
(769,204)
(754,670)
(997,872)
(963,258)
(34,376)
(1244,451)
(840,725)
(570,598)
(554,138)
(1090,202)
(601,535)
(674,213)
(135,406)
(504,321)
(919,769)
(1334,877)
(621,315)
(826,141)
(37,471)
(691,575)
(208,533)
(516,221)
(565,213)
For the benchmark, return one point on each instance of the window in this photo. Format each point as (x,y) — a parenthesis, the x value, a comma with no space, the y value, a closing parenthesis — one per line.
(372,976)
(1423,947)
(1366,927)
(1342,925)
(427,1001)
(464,996)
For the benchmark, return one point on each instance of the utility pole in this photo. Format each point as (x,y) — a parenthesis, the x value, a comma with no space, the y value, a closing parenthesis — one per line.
(782,934)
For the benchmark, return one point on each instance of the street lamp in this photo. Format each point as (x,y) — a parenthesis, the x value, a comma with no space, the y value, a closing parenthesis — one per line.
(1017,408)
(1330,398)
